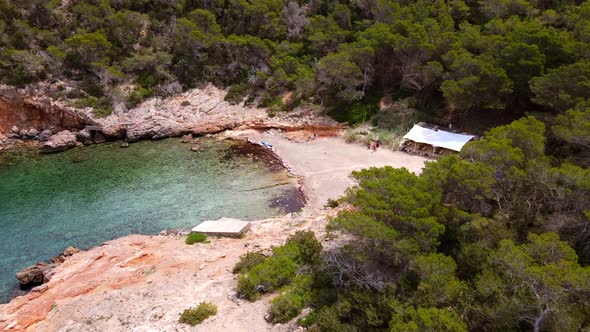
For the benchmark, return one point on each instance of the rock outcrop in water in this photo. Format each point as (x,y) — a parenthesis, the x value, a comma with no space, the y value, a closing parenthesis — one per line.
(41,272)
(59,142)
(34,275)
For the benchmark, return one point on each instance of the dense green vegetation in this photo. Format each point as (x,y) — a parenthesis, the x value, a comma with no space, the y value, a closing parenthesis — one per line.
(450,59)
(493,240)
(259,274)
(193,238)
(497,239)
(195,316)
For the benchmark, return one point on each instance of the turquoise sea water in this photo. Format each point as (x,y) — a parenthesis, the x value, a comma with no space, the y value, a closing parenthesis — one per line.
(89,195)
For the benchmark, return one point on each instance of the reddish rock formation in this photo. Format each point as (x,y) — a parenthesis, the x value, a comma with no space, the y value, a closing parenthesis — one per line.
(30,112)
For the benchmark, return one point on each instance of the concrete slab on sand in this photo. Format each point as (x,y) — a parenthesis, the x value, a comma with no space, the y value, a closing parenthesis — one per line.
(223,227)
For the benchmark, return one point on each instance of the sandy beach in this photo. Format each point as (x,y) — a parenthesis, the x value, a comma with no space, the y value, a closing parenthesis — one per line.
(143,283)
(325,163)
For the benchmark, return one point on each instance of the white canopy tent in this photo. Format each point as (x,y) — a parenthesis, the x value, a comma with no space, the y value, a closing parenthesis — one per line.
(438,138)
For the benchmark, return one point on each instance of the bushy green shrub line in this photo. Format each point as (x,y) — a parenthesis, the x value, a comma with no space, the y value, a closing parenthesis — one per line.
(194,316)
(193,238)
(249,260)
(258,275)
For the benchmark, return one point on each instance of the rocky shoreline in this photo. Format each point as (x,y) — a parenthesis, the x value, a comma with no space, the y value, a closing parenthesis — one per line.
(143,283)
(57,127)
(32,278)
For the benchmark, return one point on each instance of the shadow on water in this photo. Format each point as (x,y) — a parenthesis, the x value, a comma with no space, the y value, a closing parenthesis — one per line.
(290,200)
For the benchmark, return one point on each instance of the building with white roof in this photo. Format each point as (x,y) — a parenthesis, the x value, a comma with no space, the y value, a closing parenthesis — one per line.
(427,141)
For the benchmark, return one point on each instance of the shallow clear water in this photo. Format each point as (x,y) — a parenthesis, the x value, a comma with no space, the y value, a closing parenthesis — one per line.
(89,195)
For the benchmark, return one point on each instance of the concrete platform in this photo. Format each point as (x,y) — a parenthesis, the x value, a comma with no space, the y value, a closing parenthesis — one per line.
(223,227)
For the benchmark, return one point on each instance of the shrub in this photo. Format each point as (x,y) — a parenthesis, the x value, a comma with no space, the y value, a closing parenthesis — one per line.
(308,320)
(249,260)
(285,307)
(138,96)
(399,115)
(101,106)
(294,297)
(273,111)
(309,247)
(351,136)
(236,93)
(269,100)
(275,272)
(85,102)
(279,269)
(355,113)
(388,138)
(332,203)
(197,315)
(327,320)
(193,238)
(92,88)
(248,288)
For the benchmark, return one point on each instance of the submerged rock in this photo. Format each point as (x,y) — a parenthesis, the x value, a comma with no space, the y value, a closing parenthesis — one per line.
(188,138)
(59,142)
(124,145)
(15,130)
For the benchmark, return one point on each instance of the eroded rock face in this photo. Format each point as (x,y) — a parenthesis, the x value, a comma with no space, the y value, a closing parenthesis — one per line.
(20,109)
(59,142)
